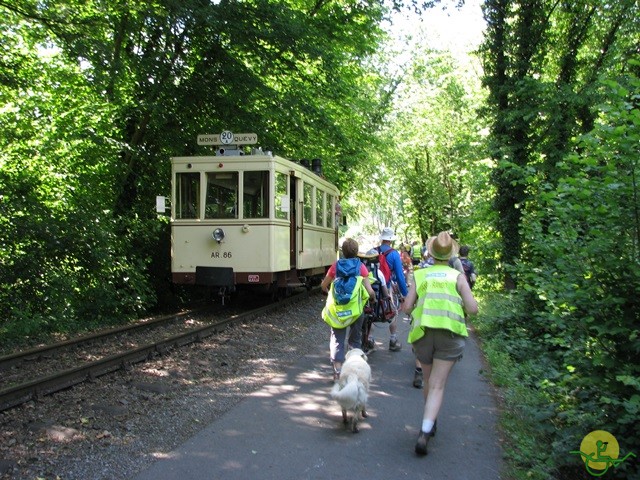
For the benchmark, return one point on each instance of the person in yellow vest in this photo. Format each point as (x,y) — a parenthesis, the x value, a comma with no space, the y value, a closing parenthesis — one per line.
(454,262)
(438,300)
(349,315)
(416,253)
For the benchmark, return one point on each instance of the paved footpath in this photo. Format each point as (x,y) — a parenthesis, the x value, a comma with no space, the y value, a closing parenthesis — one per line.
(291,429)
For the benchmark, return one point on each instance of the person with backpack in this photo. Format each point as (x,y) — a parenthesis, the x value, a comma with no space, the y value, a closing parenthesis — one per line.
(382,308)
(454,261)
(391,267)
(348,289)
(467,266)
(439,301)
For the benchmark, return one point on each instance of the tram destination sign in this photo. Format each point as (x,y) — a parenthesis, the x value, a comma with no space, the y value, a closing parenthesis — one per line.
(228,138)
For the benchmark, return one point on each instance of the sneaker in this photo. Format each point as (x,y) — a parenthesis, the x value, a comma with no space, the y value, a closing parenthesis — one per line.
(417,379)
(369,346)
(421,444)
(395,345)
(336,375)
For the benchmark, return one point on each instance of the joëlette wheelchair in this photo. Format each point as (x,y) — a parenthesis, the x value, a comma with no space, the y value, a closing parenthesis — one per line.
(379,310)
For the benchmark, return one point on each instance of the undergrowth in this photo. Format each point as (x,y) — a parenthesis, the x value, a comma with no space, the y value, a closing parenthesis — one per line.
(542,423)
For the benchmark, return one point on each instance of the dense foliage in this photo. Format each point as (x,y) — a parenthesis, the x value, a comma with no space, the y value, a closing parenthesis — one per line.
(550,206)
(428,170)
(96,96)
(582,280)
(538,172)
(563,99)
(543,62)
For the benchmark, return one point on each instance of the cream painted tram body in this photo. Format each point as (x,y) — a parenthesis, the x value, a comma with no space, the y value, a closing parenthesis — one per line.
(253,220)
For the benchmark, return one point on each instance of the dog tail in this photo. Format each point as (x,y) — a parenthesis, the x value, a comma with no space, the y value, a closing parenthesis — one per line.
(350,393)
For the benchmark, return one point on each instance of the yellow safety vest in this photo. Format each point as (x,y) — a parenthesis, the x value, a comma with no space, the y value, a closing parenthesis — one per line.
(373,279)
(341,316)
(439,304)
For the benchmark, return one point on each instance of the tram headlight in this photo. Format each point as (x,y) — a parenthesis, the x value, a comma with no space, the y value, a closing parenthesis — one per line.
(218,235)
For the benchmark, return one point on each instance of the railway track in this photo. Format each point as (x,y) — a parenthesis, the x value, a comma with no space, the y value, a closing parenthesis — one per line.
(31,374)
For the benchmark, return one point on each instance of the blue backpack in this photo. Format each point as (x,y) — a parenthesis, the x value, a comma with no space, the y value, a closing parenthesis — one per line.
(347,269)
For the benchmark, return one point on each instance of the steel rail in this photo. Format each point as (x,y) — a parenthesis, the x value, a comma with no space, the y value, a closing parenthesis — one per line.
(34,389)
(15,359)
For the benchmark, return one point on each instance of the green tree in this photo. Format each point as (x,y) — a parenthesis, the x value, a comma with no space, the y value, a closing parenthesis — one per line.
(58,247)
(542,61)
(565,149)
(576,325)
(433,141)
(97,96)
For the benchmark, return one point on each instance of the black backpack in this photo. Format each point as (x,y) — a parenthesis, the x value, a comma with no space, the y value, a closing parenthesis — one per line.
(467,266)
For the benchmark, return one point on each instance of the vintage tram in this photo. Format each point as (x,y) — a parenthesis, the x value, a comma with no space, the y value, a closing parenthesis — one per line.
(249,219)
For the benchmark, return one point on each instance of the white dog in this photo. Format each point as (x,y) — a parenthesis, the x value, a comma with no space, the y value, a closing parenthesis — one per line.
(352,388)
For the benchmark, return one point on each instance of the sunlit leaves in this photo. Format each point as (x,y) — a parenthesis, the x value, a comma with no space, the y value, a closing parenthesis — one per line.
(96,96)
(580,278)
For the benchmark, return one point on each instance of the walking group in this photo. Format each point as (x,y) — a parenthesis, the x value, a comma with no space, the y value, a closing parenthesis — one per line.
(438,300)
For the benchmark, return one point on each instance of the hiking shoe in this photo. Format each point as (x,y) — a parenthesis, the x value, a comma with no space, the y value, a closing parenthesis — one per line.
(421,444)
(369,345)
(395,345)
(417,380)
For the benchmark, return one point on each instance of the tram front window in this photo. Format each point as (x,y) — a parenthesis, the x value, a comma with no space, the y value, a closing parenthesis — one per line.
(187,195)
(222,195)
(255,201)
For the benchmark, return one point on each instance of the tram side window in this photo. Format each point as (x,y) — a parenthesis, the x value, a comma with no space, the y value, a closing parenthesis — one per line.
(308,205)
(328,212)
(222,195)
(255,202)
(282,198)
(187,195)
(319,206)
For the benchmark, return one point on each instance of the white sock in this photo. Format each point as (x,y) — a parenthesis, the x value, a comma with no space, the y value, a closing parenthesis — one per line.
(427,425)
(393,337)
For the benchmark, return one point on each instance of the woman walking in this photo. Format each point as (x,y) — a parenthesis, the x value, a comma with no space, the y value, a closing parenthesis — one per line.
(346,313)
(439,300)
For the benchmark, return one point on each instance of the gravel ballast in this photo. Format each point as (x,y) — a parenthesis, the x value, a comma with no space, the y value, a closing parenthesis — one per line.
(117,425)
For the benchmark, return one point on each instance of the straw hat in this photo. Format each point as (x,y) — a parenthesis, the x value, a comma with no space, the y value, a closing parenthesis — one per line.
(369,254)
(442,246)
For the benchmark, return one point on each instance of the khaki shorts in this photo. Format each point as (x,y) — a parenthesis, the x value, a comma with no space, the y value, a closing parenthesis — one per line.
(440,344)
